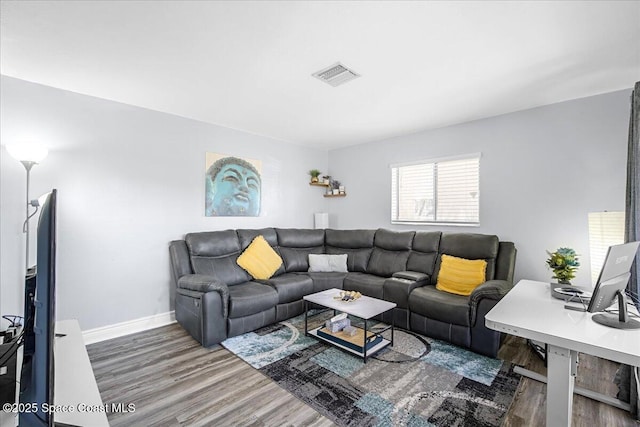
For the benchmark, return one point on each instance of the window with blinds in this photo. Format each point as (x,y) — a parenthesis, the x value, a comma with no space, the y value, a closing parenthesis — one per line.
(436,191)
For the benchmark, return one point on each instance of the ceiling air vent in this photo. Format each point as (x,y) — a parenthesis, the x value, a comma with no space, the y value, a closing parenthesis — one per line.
(336,74)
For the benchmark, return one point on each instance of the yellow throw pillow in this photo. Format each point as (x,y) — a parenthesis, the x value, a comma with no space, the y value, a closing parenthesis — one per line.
(460,276)
(259,259)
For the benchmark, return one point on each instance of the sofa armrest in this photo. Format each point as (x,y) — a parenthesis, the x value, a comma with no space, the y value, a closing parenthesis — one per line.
(203,283)
(415,276)
(491,290)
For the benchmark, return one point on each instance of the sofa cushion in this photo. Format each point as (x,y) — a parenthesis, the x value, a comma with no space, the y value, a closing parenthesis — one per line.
(357,259)
(366,284)
(352,239)
(246,236)
(300,238)
(291,286)
(357,244)
(424,252)
(296,245)
(323,281)
(394,240)
(213,243)
(460,276)
(297,259)
(259,259)
(384,263)
(215,253)
(442,306)
(390,253)
(250,298)
(470,246)
(328,263)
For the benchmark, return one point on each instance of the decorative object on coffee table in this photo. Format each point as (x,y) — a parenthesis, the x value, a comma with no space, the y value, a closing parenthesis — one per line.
(348,296)
(564,263)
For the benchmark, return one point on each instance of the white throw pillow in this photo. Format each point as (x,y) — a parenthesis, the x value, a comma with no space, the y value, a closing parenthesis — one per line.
(326,263)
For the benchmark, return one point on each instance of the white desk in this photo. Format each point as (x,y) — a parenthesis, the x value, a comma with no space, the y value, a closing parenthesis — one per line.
(529,311)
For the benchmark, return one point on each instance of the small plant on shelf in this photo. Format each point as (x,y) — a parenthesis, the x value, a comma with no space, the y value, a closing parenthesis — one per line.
(334,187)
(564,263)
(314,174)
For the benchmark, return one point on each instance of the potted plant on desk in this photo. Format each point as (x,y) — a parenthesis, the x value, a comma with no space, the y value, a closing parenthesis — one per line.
(564,263)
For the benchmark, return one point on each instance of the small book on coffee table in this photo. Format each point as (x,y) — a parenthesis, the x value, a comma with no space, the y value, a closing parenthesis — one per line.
(353,342)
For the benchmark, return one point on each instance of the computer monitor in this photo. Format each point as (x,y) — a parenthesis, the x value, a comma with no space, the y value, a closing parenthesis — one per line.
(611,285)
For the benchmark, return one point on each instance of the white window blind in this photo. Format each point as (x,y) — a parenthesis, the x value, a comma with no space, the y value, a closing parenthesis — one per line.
(437,191)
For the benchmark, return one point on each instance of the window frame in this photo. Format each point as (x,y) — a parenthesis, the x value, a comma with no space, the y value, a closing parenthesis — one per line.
(393,170)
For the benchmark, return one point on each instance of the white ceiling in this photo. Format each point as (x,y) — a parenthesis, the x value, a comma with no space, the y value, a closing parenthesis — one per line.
(248,65)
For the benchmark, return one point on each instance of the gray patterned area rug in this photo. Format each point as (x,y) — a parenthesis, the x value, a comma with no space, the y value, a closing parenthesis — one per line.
(419,381)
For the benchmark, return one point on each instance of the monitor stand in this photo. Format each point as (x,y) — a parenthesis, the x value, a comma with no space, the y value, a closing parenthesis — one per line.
(621,321)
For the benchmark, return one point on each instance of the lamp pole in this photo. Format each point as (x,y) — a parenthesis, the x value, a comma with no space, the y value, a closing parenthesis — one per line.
(29,154)
(27,165)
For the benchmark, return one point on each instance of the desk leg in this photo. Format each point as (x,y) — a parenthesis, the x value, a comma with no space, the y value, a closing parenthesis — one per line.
(561,374)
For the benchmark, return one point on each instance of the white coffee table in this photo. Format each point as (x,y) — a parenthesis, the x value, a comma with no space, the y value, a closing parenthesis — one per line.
(364,307)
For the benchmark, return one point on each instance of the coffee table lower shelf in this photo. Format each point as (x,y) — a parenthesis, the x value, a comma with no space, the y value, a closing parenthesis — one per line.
(370,351)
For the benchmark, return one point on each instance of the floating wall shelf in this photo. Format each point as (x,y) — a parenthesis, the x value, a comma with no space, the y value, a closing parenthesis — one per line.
(322,184)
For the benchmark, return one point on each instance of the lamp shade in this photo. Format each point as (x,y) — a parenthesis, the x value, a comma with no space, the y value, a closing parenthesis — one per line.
(27,152)
(605,229)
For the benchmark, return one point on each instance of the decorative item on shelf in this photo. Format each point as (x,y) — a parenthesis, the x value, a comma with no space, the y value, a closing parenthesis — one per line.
(314,175)
(326,179)
(564,263)
(335,187)
(341,189)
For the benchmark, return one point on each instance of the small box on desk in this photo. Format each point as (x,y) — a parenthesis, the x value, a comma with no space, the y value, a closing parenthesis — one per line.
(353,342)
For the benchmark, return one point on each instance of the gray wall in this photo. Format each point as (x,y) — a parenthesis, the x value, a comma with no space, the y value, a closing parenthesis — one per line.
(541,172)
(129,181)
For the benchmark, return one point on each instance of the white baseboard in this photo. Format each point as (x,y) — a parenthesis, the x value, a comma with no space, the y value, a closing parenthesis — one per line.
(103,333)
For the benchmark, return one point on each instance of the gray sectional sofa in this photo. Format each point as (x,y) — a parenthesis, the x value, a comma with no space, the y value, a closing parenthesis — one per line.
(217,299)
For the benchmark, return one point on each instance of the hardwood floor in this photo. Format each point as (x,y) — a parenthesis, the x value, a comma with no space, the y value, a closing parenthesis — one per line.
(173,381)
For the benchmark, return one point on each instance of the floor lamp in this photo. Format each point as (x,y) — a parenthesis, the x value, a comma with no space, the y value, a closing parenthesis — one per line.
(29,155)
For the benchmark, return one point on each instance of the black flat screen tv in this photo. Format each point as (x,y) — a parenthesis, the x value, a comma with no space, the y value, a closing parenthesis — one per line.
(37,375)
